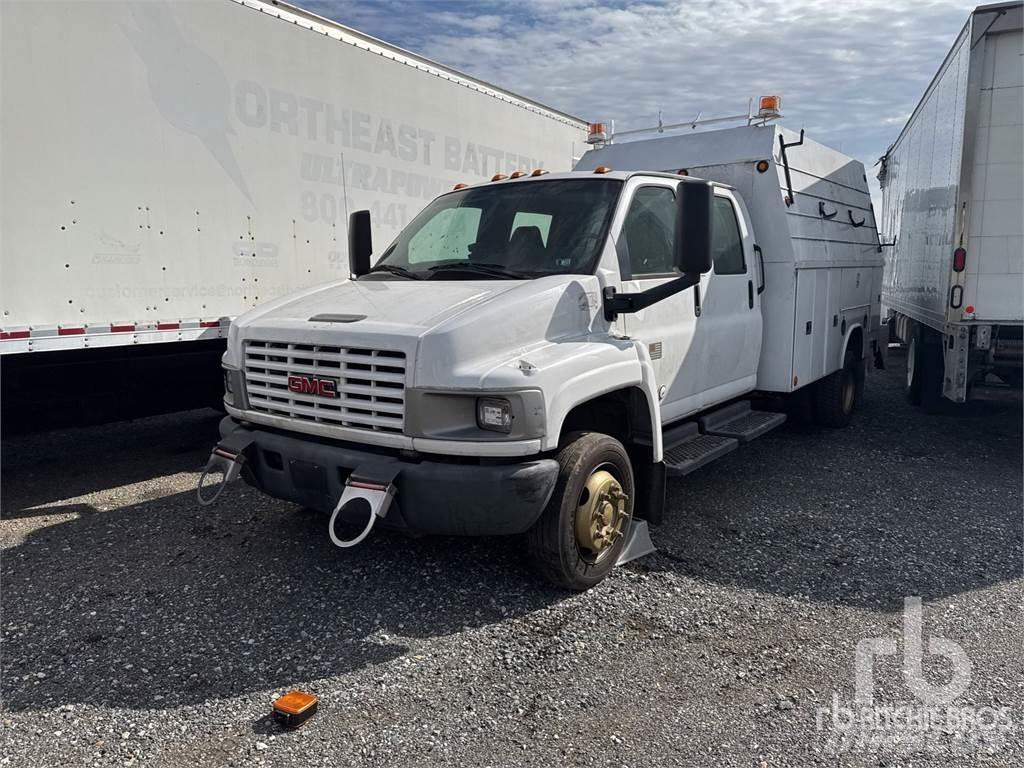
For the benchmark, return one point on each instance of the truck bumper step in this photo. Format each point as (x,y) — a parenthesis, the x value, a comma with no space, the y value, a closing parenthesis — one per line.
(739,421)
(694,450)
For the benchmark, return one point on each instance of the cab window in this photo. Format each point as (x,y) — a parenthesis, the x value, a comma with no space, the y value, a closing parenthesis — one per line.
(648,230)
(726,242)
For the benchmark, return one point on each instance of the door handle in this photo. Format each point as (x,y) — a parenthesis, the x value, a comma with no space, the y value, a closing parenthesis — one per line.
(750,293)
(696,300)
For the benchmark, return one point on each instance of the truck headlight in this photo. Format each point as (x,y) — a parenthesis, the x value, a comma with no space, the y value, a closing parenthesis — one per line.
(494,413)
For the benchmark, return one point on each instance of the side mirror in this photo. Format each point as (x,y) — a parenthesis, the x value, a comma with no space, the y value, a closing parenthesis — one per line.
(360,243)
(692,245)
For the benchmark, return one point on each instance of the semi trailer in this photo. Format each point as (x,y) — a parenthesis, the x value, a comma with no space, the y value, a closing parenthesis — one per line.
(538,353)
(952,201)
(167,166)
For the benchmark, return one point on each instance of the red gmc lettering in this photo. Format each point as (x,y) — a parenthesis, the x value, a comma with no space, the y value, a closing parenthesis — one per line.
(308,385)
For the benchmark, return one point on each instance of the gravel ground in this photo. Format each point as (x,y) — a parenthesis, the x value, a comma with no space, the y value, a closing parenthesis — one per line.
(140,629)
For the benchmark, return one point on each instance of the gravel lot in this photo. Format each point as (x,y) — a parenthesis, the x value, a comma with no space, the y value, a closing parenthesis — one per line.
(140,629)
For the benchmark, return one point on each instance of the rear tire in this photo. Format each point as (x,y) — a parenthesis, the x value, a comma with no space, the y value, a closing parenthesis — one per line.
(924,369)
(554,541)
(838,395)
(912,384)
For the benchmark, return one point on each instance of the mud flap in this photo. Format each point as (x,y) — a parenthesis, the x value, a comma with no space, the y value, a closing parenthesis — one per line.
(638,542)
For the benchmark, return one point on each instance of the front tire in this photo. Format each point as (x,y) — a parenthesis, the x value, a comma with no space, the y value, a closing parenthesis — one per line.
(838,395)
(581,533)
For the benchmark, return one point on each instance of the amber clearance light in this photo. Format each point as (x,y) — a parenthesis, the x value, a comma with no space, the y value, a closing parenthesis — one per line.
(294,708)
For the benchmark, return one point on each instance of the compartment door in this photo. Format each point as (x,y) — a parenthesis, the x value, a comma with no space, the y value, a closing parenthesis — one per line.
(813,323)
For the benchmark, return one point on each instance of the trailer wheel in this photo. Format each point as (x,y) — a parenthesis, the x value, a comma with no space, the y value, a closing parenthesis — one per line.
(579,536)
(838,395)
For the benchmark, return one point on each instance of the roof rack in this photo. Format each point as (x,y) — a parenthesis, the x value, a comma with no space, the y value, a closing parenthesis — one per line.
(768,110)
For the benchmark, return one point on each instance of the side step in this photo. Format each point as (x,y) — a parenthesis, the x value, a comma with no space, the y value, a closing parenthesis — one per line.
(738,421)
(691,450)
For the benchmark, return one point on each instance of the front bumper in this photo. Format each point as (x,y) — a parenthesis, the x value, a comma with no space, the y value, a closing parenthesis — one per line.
(454,498)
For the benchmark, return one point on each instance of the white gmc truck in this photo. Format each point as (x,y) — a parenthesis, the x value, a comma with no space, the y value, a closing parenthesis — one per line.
(537,353)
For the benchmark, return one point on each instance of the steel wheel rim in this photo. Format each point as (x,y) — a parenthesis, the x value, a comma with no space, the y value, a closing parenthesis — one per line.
(600,516)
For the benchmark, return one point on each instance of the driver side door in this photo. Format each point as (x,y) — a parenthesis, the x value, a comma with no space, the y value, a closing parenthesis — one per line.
(665,328)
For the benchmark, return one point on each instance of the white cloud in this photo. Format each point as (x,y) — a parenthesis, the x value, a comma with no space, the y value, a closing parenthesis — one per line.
(847,71)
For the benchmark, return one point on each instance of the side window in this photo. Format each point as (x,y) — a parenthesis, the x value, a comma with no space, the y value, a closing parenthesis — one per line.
(648,230)
(541,221)
(445,237)
(726,242)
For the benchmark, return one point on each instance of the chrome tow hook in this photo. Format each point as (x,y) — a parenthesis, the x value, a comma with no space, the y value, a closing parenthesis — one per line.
(227,458)
(372,487)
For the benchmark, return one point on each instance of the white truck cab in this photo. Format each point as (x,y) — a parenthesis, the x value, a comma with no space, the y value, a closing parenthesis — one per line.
(536,354)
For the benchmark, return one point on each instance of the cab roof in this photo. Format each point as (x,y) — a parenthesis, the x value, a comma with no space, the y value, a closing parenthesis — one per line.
(619,175)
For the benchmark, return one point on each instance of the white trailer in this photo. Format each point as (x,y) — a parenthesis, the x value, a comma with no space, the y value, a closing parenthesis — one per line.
(166,166)
(952,212)
(537,354)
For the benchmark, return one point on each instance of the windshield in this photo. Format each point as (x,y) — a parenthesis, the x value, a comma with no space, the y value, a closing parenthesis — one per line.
(506,231)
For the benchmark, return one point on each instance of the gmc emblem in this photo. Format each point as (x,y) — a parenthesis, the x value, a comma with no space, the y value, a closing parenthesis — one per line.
(312,385)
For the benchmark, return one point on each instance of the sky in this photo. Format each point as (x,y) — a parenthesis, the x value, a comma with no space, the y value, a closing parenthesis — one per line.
(849,72)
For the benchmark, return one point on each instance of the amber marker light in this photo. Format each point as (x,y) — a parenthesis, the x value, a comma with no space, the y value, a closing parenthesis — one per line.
(294,708)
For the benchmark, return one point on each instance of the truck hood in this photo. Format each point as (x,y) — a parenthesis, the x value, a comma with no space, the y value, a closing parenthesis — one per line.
(469,327)
(384,306)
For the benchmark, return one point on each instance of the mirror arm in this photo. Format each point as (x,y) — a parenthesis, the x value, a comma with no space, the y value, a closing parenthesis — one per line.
(616,303)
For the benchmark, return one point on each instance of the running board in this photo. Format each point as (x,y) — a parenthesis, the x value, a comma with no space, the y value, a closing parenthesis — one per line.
(740,422)
(691,450)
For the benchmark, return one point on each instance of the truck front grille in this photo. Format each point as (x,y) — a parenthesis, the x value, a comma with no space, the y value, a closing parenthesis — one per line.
(295,381)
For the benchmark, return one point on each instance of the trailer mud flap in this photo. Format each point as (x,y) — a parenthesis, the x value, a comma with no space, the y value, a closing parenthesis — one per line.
(227,458)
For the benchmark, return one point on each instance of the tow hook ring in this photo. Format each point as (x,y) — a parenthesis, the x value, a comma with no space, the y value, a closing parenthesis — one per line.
(376,493)
(230,465)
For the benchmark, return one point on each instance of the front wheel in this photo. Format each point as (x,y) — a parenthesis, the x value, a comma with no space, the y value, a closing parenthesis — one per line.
(581,533)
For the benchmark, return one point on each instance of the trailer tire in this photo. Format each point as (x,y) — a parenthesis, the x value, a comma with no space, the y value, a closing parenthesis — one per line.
(915,364)
(592,462)
(923,384)
(838,395)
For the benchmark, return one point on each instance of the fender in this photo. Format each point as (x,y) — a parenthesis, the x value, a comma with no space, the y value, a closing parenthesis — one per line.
(595,379)
(846,343)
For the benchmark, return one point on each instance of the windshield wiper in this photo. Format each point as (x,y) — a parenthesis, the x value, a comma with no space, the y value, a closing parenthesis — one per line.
(479,268)
(394,269)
